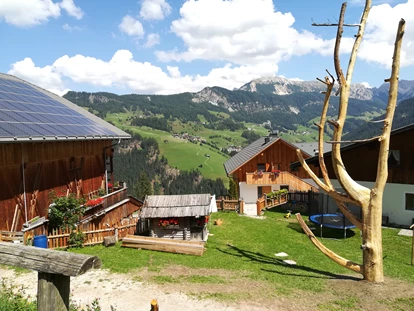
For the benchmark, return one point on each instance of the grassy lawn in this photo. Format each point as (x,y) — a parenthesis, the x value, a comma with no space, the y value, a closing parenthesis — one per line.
(245,248)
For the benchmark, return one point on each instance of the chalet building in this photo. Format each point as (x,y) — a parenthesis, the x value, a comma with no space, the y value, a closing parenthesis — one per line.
(48,144)
(361,159)
(179,217)
(264,166)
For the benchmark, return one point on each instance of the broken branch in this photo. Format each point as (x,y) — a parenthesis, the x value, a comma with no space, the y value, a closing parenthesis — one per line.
(335,257)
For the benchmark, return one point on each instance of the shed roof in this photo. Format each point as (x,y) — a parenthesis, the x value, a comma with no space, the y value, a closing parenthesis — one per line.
(30,113)
(261,144)
(184,205)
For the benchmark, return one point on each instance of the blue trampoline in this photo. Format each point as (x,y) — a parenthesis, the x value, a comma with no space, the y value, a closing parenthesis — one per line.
(334,221)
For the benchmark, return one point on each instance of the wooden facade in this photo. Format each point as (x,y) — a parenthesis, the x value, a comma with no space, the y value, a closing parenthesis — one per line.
(31,171)
(361,160)
(278,156)
(282,178)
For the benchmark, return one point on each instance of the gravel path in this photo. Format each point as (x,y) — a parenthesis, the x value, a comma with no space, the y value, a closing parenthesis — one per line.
(122,292)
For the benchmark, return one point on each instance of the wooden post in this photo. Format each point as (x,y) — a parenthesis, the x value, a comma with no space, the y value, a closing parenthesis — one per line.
(53,291)
(412,248)
(54,271)
(154,305)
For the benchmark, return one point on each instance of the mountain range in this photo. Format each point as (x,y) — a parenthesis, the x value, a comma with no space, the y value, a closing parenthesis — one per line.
(285,104)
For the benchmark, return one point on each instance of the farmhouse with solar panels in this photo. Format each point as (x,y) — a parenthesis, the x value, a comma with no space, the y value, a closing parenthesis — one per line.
(50,144)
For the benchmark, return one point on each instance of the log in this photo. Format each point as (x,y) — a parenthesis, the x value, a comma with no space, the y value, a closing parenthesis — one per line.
(46,260)
(109,241)
(165,245)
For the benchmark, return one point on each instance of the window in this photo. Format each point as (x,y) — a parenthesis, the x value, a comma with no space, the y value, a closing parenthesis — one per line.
(261,167)
(409,201)
(394,158)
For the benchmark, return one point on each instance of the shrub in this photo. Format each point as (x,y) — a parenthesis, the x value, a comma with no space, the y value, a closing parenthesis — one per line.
(65,210)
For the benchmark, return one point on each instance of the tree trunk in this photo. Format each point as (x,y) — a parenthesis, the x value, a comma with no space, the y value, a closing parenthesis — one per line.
(372,240)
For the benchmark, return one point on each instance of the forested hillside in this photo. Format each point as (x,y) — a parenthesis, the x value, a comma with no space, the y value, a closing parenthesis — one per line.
(139,164)
(404,115)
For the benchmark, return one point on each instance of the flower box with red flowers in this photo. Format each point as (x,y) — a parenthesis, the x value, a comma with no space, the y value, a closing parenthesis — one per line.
(276,173)
(168,223)
(94,202)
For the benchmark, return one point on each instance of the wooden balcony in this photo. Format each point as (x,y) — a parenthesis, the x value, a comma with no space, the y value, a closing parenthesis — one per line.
(283,178)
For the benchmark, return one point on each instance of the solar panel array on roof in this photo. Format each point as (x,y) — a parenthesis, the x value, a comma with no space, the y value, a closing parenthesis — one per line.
(27,112)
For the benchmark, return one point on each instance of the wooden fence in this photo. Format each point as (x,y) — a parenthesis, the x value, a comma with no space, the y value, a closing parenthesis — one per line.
(11,236)
(230,205)
(94,233)
(264,202)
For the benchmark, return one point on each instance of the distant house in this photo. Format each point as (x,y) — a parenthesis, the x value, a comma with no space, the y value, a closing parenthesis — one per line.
(182,217)
(360,160)
(50,144)
(264,166)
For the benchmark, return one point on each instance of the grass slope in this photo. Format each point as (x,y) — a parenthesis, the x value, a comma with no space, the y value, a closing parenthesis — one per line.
(247,247)
(180,153)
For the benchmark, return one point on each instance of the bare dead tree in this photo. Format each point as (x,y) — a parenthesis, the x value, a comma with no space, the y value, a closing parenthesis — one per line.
(370,200)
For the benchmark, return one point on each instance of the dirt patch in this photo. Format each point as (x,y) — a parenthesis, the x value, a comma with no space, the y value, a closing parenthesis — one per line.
(183,288)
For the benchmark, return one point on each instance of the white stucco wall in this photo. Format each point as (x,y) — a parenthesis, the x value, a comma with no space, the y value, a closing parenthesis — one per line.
(393,204)
(249,192)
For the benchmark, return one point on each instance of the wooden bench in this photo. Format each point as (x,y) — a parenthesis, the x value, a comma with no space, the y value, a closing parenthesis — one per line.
(54,271)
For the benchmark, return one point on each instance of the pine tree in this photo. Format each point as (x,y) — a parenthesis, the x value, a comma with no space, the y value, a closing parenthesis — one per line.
(143,187)
(233,189)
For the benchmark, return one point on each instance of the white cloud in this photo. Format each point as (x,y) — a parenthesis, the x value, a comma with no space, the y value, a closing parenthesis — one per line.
(152,39)
(131,27)
(378,44)
(70,8)
(239,31)
(69,28)
(45,77)
(122,71)
(23,13)
(154,9)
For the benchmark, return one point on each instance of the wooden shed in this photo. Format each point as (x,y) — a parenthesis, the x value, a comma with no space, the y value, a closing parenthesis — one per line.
(181,217)
(48,144)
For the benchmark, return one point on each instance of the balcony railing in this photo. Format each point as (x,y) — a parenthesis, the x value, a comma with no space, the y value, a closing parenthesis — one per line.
(283,178)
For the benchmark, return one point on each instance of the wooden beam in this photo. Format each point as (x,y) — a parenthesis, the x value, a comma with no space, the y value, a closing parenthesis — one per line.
(46,260)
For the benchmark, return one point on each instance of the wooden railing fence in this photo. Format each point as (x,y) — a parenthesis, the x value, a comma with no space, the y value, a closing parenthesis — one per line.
(283,178)
(230,205)
(11,236)
(94,233)
(264,202)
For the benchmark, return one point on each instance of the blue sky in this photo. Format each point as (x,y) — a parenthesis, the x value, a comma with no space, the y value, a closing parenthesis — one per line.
(166,46)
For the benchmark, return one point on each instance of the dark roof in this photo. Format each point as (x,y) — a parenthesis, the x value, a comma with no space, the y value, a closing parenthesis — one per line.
(258,146)
(185,205)
(353,145)
(30,113)
(312,148)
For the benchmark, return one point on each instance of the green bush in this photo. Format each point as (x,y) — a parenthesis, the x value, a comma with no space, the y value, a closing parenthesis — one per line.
(13,299)
(65,210)
(76,239)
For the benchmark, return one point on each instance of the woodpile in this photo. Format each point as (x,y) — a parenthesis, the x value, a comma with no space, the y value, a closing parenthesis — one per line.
(164,245)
